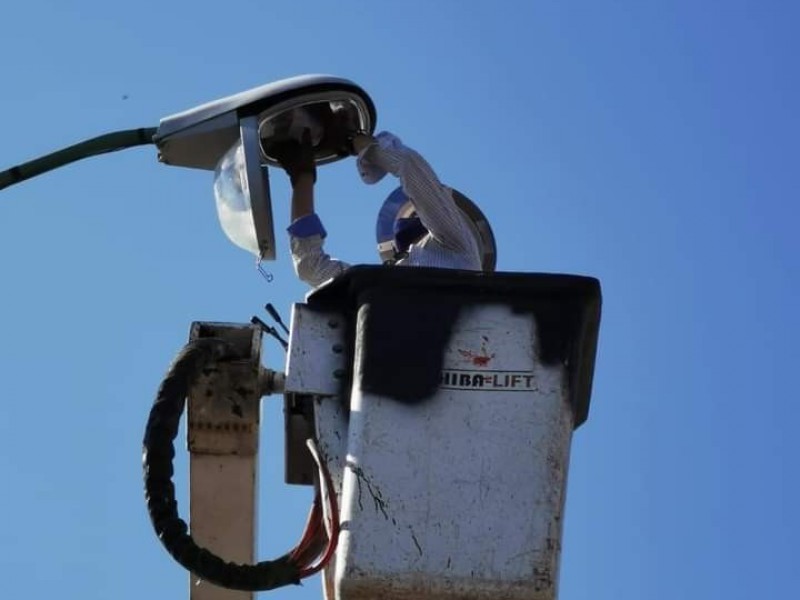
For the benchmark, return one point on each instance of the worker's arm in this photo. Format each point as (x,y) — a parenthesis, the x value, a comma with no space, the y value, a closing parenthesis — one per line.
(302,196)
(311,263)
(433,202)
(306,233)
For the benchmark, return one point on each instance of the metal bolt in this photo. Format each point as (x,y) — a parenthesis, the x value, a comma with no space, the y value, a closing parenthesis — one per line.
(337,348)
(338,373)
(333,324)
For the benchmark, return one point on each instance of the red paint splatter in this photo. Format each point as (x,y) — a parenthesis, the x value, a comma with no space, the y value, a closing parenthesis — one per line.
(479,360)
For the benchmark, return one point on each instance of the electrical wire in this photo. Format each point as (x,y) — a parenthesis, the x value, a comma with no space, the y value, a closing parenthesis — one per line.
(103,144)
(311,543)
(158,454)
(329,519)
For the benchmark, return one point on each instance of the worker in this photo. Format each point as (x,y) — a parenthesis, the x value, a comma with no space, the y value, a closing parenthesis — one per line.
(437,234)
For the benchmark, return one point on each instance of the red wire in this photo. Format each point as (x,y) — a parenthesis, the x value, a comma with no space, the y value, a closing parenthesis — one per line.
(310,532)
(333,509)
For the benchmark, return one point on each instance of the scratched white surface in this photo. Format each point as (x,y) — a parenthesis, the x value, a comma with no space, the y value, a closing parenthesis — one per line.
(460,496)
(312,362)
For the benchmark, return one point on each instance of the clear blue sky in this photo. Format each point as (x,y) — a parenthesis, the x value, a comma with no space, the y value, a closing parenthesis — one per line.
(650,144)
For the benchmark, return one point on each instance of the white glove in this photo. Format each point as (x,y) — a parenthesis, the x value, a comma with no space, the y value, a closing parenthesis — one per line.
(367,163)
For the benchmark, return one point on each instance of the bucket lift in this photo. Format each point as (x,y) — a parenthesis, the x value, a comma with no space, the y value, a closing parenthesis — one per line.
(440,406)
(431,409)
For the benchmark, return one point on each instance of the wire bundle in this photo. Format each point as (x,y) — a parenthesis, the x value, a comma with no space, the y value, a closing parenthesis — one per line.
(158,452)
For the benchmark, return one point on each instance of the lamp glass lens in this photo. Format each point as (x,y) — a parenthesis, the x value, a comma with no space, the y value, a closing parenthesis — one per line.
(233,199)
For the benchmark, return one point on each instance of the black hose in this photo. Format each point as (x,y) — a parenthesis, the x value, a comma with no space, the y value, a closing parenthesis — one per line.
(110,142)
(158,453)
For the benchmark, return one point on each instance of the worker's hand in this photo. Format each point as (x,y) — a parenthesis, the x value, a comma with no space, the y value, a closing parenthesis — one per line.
(361,141)
(296,157)
(373,163)
(341,128)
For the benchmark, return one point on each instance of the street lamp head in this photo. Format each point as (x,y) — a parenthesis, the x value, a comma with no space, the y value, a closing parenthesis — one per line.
(233,137)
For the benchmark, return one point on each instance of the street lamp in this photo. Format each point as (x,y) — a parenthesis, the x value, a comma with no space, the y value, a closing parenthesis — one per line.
(233,136)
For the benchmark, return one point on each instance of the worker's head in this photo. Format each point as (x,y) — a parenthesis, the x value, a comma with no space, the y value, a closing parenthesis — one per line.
(408,231)
(398,227)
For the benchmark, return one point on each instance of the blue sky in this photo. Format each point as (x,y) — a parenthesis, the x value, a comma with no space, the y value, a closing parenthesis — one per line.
(650,144)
